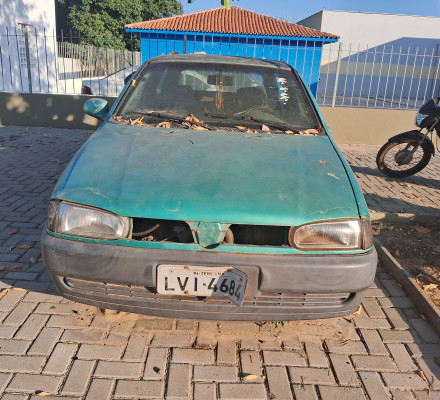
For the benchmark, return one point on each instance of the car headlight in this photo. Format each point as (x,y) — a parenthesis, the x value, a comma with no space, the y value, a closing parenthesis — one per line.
(77,220)
(420,118)
(332,235)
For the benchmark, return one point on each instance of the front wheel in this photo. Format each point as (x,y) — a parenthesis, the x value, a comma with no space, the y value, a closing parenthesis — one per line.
(395,159)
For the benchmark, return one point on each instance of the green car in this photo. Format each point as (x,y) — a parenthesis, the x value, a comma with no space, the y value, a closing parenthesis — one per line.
(213,190)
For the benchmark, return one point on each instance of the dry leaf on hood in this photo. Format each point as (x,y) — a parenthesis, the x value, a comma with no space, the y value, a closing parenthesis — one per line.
(192,118)
(164,124)
(421,229)
(265,128)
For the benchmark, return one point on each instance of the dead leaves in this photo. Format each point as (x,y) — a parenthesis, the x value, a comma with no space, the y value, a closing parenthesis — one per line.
(24,246)
(421,229)
(164,124)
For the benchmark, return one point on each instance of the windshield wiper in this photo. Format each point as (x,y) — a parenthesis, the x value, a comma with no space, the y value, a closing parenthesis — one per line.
(171,118)
(275,124)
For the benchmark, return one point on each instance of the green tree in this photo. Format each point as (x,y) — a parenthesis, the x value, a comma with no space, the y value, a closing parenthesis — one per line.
(103,21)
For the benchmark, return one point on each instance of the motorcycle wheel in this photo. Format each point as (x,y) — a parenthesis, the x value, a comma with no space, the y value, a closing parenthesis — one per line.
(388,156)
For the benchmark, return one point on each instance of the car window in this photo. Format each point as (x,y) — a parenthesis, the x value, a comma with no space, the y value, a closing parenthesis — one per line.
(222,94)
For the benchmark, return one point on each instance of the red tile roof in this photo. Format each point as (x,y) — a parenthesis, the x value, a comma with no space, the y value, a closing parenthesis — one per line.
(233,21)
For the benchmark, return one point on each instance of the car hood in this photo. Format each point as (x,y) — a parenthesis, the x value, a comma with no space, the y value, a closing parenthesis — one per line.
(211,176)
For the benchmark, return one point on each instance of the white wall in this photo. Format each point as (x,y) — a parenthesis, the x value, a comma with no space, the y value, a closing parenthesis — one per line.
(38,13)
(41,46)
(375,29)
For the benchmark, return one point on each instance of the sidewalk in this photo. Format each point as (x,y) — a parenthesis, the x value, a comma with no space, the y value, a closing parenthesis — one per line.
(73,351)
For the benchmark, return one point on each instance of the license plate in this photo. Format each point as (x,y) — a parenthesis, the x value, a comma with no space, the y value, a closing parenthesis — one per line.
(188,280)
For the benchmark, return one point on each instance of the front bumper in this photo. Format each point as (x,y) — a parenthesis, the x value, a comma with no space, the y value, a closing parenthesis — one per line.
(280,287)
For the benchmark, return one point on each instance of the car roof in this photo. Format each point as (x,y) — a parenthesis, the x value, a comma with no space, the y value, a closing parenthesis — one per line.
(209,58)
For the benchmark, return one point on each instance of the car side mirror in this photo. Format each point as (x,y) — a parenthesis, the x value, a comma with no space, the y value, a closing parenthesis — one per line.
(97,108)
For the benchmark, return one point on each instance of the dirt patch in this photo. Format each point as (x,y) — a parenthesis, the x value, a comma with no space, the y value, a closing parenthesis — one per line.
(416,246)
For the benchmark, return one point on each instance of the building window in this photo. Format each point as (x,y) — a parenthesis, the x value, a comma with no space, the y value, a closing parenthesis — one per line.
(24,29)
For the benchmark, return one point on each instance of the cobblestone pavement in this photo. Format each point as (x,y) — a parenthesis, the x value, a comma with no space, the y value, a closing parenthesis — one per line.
(52,346)
(418,194)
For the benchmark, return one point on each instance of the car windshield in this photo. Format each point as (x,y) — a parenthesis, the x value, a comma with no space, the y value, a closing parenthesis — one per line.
(220,95)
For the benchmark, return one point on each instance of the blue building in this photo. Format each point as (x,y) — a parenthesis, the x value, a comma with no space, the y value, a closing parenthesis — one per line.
(236,32)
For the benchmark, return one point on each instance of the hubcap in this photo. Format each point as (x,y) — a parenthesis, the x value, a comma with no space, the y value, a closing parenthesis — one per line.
(403,157)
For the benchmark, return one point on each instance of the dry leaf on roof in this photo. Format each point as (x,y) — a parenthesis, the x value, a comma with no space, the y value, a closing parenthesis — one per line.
(16,268)
(24,246)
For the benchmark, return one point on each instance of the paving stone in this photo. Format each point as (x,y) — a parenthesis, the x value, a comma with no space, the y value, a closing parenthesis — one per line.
(344,370)
(372,323)
(425,331)
(254,343)
(206,335)
(398,336)
(172,340)
(284,358)
(372,308)
(401,357)
(60,358)
(311,376)
(55,308)
(397,319)
(21,364)
(400,380)
(30,383)
(278,381)
(427,350)
(139,389)
(4,379)
(12,396)
(155,324)
(397,302)
(251,364)
(100,389)
(373,363)
(86,335)
(36,297)
(32,327)
(204,391)
(217,373)
(67,321)
(341,393)
(8,301)
(156,363)
(305,392)
(227,352)
(315,355)
(292,343)
(78,377)
(19,314)
(374,386)
(427,394)
(12,346)
(431,370)
(179,381)
(184,325)
(7,332)
(136,347)
(400,395)
(100,352)
(374,342)
(117,369)
(348,347)
(193,356)
(393,288)
(242,391)
(45,341)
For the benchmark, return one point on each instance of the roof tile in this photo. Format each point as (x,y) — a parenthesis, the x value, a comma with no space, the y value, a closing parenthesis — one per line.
(233,21)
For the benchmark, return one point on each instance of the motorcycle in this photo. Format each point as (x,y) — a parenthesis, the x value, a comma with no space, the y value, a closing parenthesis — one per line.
(409,152)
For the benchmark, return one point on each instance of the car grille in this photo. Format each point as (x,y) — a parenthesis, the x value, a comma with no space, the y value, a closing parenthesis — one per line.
(161,230)
(268,299)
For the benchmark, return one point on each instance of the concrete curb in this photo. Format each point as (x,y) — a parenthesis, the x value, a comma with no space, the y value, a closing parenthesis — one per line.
(402,217)
(409,284)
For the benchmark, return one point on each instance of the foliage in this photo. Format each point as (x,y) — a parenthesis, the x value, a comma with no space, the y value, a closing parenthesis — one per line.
(103,21)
